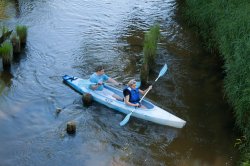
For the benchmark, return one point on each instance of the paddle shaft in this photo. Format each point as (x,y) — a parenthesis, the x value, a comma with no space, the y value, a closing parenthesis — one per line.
(149,89)
(162,72)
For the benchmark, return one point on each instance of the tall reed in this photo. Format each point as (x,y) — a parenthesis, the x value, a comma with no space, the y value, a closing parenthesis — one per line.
(6,52)
(224,25)
(21,31)
(150,45)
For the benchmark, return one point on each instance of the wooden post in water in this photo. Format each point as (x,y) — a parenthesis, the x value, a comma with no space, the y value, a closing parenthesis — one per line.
(87,99)
(15,40)
(149,50)
(21,31)
(71,128)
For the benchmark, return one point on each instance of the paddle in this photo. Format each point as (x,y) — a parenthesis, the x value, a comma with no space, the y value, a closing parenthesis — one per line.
(71,78)
(138,84)
(126,119)
(162,72)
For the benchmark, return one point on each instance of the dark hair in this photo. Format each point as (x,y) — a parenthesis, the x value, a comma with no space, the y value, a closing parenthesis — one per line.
(99,68)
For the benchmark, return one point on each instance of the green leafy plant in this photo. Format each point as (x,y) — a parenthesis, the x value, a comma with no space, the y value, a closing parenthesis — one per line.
(150,45)
(6,52)
(22,33)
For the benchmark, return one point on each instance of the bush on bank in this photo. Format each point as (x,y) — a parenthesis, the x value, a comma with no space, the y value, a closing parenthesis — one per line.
(224,26)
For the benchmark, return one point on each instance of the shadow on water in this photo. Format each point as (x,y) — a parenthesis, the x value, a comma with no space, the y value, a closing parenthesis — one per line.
(5,80)
(17,7)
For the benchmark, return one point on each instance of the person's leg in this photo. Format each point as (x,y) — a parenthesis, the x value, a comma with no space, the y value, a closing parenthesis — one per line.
(117,97)
(107,92)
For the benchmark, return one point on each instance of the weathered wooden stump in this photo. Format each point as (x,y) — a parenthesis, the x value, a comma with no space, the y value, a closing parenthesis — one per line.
(21,31)
(16,44)
(87,99)
(71,128)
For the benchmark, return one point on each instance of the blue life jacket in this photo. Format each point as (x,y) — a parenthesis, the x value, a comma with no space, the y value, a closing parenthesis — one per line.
(134,95)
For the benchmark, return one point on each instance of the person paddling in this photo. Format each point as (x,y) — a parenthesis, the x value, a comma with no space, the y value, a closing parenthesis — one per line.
(132,94)
(99,77)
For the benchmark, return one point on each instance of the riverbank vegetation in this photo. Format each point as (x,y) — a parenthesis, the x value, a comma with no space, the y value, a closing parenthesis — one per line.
(225,28)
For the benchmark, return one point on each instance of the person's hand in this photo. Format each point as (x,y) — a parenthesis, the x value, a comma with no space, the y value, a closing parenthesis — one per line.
(99,83)
(138,105)
(150,87)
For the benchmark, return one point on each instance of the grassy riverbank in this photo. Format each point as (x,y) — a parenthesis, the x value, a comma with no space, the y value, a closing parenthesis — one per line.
(225,28)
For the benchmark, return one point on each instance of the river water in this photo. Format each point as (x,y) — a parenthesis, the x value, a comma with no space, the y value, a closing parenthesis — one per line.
(73,37)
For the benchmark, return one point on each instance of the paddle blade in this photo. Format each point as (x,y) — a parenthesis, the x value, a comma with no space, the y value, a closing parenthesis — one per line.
(138,84)
(126,119)
(163,70)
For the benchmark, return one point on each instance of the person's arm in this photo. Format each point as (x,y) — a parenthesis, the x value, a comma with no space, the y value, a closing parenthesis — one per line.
(113,81)
(144,91)
(130,104)
(93,80)
(94,87)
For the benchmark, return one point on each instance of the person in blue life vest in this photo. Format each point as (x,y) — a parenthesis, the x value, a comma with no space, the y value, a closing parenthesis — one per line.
(99,77)
(132,94)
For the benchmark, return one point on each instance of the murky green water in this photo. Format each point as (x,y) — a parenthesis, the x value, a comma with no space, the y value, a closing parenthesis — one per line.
(73,37)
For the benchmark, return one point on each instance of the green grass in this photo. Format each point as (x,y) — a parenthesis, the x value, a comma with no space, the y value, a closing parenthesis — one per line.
(22,33)
(6,52)
(150,45)
(224,25)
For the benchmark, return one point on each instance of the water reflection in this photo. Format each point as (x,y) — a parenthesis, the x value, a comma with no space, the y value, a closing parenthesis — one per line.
(17,7)
(5,80)
(3,5)
(9,9)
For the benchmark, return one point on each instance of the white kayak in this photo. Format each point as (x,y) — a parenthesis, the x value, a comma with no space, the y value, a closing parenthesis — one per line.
(152,113)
